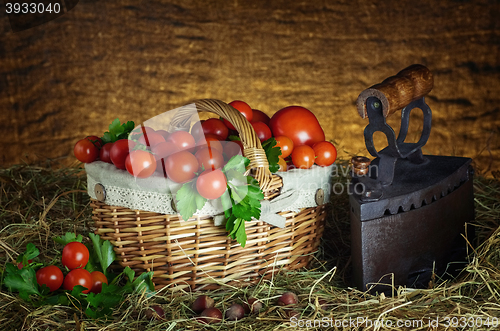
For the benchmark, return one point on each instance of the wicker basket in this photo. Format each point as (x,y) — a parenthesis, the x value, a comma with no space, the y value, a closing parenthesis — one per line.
(197,254)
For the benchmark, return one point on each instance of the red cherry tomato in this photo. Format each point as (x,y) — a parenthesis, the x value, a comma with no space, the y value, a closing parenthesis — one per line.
(197,131)
(232,148)
(85,151)
(262,131)
(303,156)
(325,153)
(140,163)
(210,141)
(51,276)
(243,108)
(182,139)
(285,144)
(209,158)
(259,116)
(78,277)
(216,127)
(151,139)
(119,151)
(75,255)
(181,167)
(211,184)
(298,124)
(97,279)
(104,153)
(95,140)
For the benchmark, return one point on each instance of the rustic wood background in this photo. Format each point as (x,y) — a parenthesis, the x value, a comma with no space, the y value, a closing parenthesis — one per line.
(72,76)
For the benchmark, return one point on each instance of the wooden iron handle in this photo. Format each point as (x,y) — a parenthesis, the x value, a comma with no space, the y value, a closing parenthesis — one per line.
(396,92)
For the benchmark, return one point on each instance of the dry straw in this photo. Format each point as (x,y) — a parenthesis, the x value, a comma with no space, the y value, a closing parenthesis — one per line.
(26,193)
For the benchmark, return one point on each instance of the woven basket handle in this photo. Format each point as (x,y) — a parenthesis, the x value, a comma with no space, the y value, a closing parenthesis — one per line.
(252,148)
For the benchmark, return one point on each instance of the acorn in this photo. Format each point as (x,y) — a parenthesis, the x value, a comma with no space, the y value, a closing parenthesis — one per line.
(235,312)
(287,299)
(201,303)
(155,311)
(253,306)
(210,316)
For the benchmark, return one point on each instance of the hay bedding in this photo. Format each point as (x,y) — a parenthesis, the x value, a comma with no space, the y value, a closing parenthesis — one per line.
(38,203)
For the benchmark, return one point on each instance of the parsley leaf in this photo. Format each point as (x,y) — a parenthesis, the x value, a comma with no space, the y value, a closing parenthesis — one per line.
(272,153)
(100,304)
(237,230)
(30,254)
(238,163)
(241,202)
(67,238)
(117,131)
(21,280)
(189,200)
(144,283)
(103,251)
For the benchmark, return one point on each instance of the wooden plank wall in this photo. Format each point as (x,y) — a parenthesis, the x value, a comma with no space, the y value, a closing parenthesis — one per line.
(72,76)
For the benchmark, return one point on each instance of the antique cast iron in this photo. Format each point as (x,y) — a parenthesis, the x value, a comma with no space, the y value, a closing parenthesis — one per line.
(409,210)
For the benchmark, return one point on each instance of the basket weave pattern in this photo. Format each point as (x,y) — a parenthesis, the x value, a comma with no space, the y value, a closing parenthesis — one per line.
(197,254)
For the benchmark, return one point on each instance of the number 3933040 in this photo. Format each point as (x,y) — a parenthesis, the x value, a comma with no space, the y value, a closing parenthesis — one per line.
(32,7)
(25,14)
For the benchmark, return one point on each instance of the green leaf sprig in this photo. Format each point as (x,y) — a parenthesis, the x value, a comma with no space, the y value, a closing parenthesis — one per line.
(241,200)
(117,131)
(94,305)
(272,153)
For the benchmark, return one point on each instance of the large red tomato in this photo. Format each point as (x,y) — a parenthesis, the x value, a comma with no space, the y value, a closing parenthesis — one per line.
(298,124)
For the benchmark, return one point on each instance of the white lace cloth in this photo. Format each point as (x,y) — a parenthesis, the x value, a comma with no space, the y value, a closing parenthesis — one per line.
(155,193)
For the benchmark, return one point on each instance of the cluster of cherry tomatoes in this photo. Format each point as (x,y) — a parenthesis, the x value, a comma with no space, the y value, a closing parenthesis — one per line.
(75,257)
(204,150)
